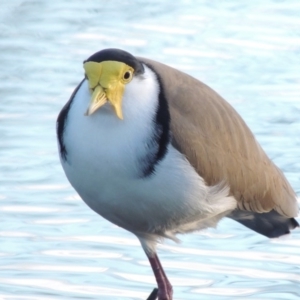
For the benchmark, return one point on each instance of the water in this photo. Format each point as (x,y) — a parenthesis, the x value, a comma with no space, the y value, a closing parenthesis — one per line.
(51,245)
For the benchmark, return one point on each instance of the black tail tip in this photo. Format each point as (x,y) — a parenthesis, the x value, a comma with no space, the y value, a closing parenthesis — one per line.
(270,224)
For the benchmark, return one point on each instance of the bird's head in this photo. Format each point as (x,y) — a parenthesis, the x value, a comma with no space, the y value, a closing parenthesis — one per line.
(108,71)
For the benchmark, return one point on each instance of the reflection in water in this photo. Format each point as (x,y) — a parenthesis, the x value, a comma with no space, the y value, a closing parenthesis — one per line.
(59,286)
(82,253)
(52,246)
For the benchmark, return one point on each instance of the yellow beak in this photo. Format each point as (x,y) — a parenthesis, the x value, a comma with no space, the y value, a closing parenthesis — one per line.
(107,84)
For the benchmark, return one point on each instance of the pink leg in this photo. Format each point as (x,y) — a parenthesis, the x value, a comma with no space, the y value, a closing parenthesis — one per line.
(165,291)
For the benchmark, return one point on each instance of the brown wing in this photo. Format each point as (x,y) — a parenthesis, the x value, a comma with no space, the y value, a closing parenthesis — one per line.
(221,147)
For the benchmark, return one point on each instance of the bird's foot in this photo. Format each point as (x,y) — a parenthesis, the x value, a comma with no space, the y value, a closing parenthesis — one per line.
(165,293)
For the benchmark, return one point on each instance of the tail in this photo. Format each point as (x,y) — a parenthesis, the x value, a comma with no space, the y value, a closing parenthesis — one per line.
(270,224)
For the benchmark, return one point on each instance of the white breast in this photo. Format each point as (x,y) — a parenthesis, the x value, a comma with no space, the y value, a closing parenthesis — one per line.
(102,166)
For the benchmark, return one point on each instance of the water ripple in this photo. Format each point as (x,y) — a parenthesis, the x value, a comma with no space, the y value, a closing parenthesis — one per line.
(54,247)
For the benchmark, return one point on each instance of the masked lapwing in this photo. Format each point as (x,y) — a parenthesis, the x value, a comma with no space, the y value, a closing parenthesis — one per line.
(157,152)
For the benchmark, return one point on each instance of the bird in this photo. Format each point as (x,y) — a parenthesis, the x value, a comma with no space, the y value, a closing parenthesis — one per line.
(158,153)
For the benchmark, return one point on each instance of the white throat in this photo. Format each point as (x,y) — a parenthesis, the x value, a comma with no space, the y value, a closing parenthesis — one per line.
(105,133)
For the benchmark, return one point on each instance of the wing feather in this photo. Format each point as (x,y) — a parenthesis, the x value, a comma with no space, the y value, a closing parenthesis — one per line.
(220,146)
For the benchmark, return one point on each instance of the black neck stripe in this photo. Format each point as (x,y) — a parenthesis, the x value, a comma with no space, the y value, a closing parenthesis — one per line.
(161,136)
(61,123)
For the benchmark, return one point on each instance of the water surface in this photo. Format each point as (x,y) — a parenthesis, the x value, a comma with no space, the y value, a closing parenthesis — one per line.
(52,246)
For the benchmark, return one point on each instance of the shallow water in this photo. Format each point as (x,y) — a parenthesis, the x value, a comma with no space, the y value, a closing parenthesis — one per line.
(52,246)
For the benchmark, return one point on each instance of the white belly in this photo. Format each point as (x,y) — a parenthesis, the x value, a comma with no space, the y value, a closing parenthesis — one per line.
(103,166)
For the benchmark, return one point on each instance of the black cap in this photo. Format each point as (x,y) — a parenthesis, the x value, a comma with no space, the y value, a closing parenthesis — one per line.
(117,55)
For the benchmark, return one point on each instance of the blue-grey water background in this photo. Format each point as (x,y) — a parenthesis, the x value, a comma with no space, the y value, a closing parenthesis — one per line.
(52,246)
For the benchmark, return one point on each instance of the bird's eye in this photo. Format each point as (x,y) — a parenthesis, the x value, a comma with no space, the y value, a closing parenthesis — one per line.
(127,75)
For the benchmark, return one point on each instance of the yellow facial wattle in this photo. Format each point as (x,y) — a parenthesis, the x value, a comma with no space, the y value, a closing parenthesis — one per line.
(107,81)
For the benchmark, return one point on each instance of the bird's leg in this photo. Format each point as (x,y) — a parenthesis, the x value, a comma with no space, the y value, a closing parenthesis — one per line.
(165,290)
(153,295)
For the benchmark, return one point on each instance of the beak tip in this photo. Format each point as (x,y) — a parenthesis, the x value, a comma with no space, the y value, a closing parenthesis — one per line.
(120,116)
